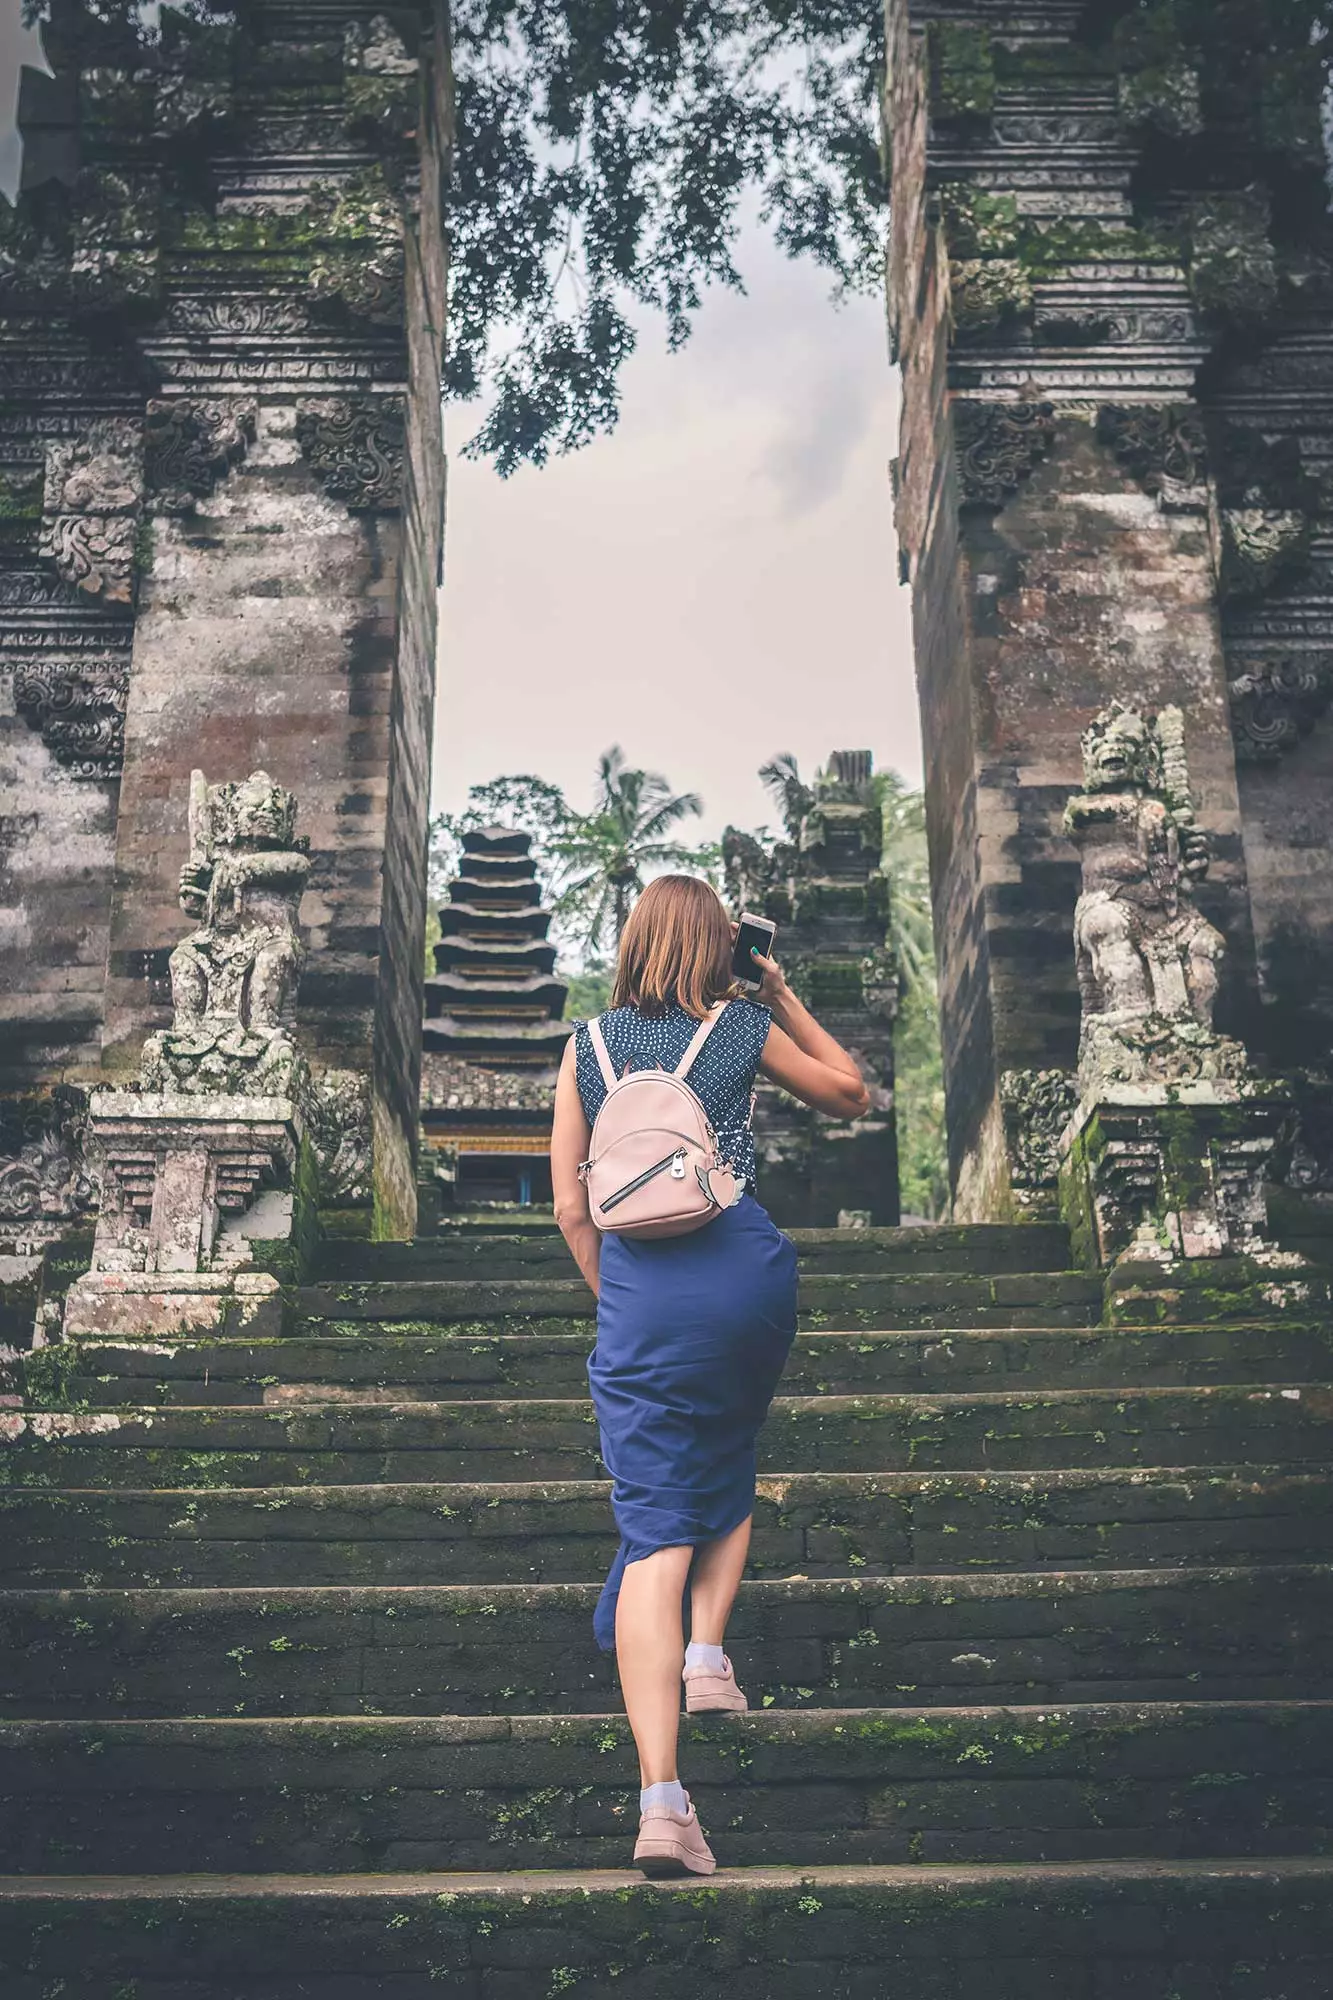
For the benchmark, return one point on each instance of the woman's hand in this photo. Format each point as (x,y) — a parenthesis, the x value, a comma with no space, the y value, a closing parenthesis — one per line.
(774,989)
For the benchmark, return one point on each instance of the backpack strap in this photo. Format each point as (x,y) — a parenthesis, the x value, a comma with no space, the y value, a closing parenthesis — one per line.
(697,1040)
(602,1053)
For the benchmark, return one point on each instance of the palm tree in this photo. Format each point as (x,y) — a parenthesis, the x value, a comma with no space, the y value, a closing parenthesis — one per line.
(782,780)
(905,861)
(607,851)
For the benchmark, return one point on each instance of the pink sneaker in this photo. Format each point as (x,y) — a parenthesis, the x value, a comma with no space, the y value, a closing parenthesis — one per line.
(672,1843)
(707,1693)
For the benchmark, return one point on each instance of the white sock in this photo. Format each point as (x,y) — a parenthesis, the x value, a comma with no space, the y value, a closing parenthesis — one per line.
(669,1793)
(711,1657)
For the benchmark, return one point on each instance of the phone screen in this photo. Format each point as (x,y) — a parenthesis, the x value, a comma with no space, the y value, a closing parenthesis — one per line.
(753,931)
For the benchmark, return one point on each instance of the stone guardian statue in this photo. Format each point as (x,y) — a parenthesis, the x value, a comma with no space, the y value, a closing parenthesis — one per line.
(1147,959)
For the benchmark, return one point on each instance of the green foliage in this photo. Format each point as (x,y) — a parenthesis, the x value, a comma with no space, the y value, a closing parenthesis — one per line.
(962,70)
(609,852)
(923,1159)
(923,1168)
(525,803)
(592,865)
(589,993)
(605,154)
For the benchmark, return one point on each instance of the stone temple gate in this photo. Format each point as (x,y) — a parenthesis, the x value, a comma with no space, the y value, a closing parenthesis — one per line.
(221,496)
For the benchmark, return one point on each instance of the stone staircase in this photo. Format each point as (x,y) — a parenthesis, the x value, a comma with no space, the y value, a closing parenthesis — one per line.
(298,1695)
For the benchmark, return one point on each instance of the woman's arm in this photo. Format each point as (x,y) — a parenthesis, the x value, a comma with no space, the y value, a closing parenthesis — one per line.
(569,1149)
(803,1057)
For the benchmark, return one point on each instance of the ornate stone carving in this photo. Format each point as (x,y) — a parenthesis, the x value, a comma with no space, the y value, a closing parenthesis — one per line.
(1277,701)
(1037,1105)
(380,77)
(1232,269)
(360,267)
(46,1181)
(1147,959)
(1149,1182)
(233,981)
(90,508)
(1309,1161)
(1260,547)
(997,445)
(1161,445)
(189,446)
(223,312)
(984,292)
(115,260)
(338,1107)
(79,707)
(880,986)
(356,448)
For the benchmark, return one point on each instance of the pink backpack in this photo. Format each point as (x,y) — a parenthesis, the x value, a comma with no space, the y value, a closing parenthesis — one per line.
(654,1168)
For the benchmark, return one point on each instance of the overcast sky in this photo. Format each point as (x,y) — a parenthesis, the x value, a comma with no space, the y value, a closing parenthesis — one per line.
(713,583)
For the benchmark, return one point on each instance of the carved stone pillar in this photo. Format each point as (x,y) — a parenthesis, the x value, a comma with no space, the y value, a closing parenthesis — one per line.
(825,890)
(197,1161)
(222,309)
(1098,341)
(189,1185)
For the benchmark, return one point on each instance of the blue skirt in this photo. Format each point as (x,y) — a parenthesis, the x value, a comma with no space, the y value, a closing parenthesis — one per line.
(692,1335)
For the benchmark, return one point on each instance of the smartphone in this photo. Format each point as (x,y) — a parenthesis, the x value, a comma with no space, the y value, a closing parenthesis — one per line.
(753,931)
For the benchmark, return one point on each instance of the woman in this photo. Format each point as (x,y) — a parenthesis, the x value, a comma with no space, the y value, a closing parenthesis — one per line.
(692,1331)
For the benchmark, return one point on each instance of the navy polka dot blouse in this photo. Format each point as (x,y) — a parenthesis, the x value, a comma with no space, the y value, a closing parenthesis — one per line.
(721,1076)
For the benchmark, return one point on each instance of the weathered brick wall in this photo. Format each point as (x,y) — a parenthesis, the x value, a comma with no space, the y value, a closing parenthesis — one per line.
(57,844)
(264,639)
(931,559)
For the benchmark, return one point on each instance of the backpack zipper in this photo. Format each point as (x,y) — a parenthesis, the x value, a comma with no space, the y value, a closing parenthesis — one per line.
(674,1160)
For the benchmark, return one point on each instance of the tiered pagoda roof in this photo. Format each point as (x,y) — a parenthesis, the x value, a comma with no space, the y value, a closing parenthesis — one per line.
(495,998)
(493,1034)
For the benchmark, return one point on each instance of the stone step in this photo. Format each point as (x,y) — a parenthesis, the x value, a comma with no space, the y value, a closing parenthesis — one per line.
(806,1524)
(1140,1635)
(975,1247)
(556,1305)
(440,1366)
(1110,1930)
(557,1439)
(1169,1780)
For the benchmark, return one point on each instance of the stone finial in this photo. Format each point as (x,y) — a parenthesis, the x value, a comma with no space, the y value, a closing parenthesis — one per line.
(233,981)
(1147,958)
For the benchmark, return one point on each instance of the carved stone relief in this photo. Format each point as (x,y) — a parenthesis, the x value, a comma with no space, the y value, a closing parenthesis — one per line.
(79,707)
(91,506)
(356,447)
(997,445)
(1260,547)
(1277,701)
(1037,1104)
(189,446)
(233,981)
(339,1128)
(1159,444)
(46,1181)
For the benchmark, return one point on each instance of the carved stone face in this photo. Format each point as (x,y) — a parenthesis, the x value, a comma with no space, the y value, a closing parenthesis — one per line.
(261,812)
(1116,751)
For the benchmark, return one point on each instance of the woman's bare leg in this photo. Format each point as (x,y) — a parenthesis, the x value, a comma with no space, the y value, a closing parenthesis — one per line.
(714,1581)
(650,1652)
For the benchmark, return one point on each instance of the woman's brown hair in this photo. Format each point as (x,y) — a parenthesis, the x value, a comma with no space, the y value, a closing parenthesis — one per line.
(676,947)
